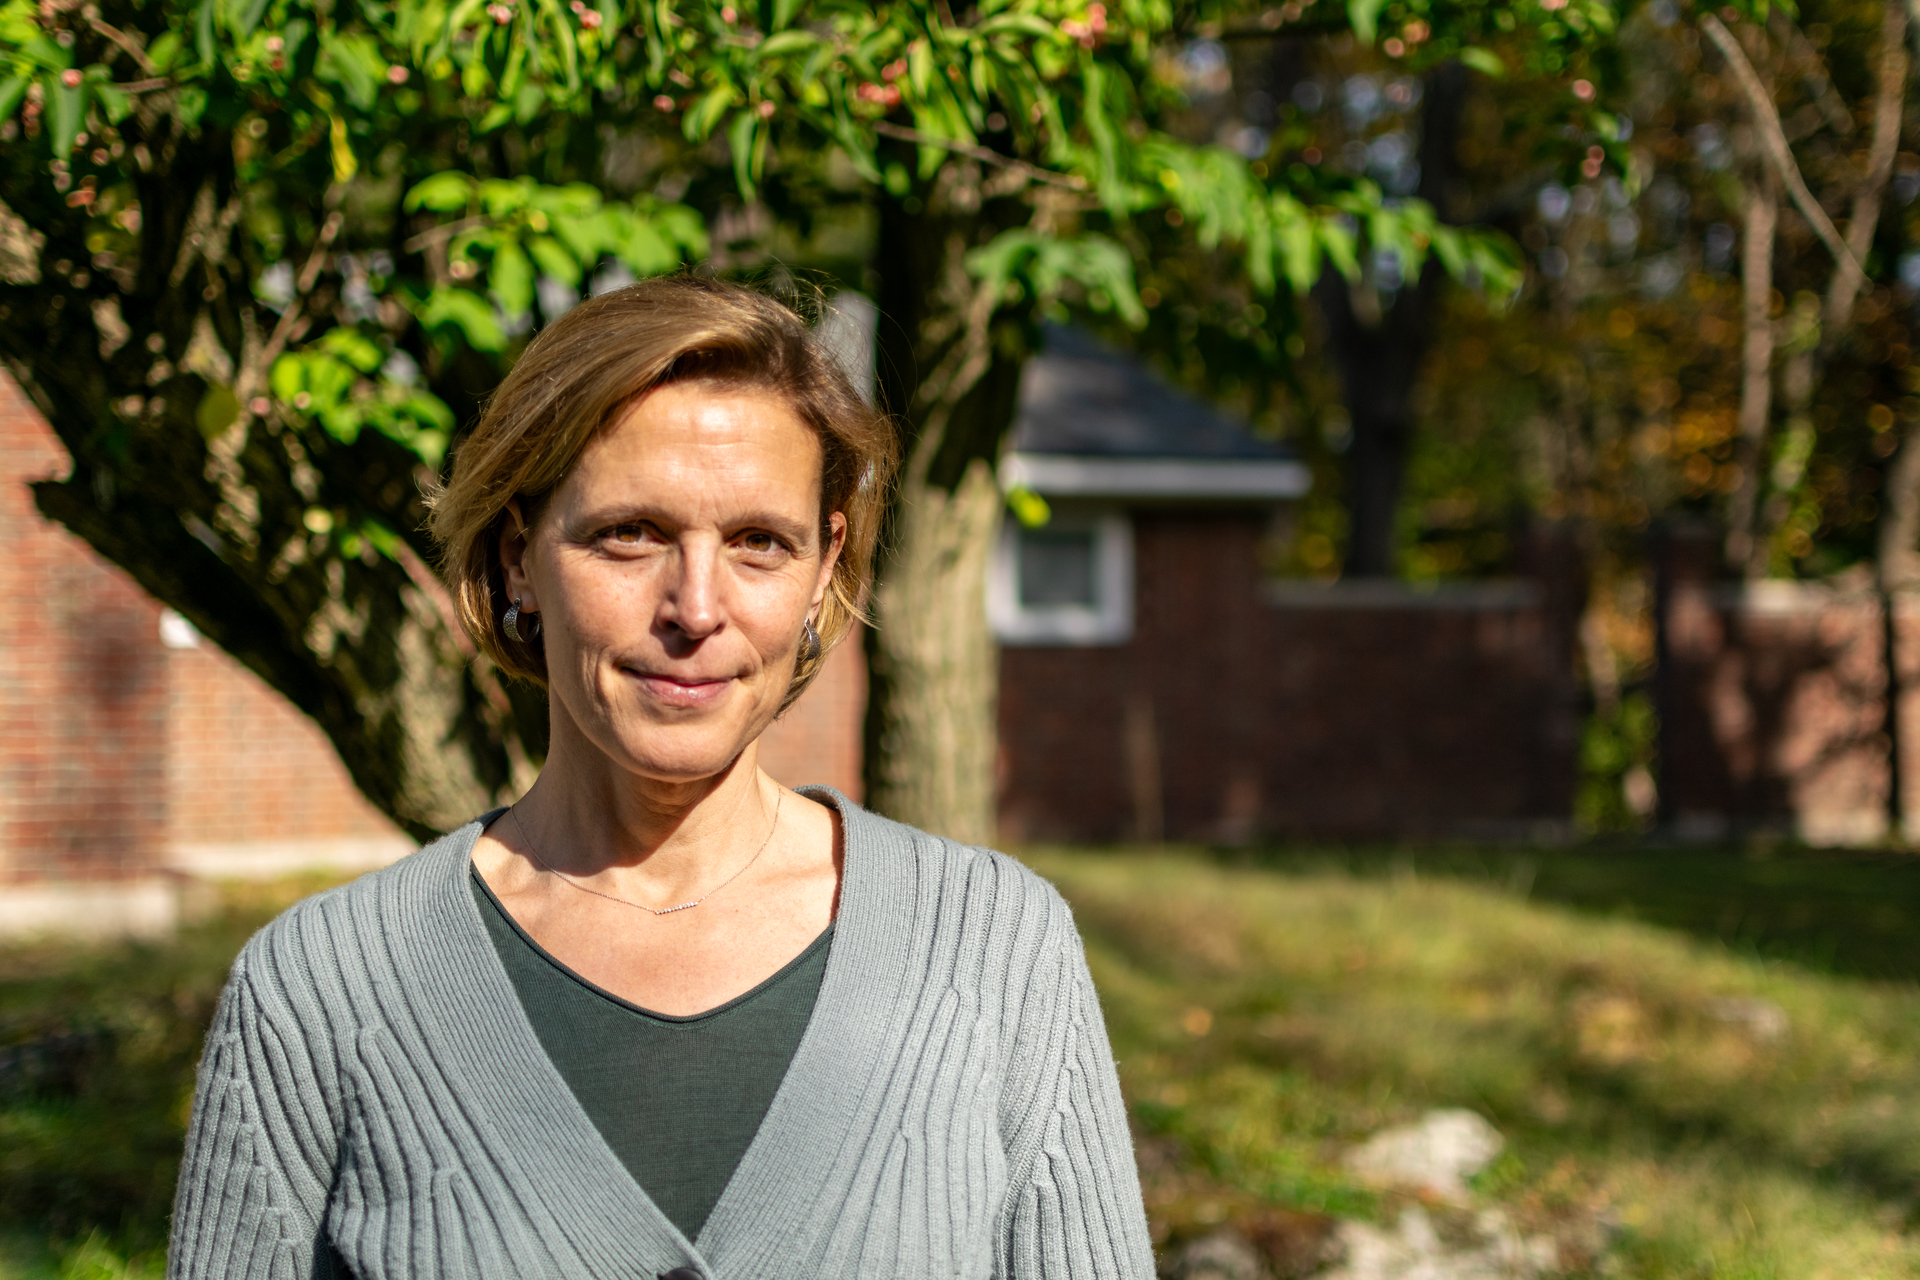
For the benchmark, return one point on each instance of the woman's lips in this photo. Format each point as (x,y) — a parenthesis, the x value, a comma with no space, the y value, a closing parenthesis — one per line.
(680,691)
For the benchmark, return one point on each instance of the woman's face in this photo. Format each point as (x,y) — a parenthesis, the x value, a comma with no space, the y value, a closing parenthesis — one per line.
(672,572)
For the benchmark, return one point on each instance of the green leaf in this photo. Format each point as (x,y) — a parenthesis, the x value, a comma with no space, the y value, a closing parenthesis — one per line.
(189,104)
(356,348)
(1338,241)
(163,51)
(203,32)
(113,104)
(466,311)
(573,199)
(707,112)
(502,198)
(12,90)
(354,63)
(552,260)
(442,193)
(646,251)
(246,16)
(286,379)
(1364,15)
(681,224)
(1026,24)
(510,279)
(1298,259)
(218,409)
(67,112)
(785,42)
(1485,61)
(586,238)
(527,102)
(740,141)
(42,52)
(1028,507)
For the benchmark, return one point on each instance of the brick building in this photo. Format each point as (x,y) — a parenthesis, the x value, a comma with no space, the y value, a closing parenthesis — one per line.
(139,757)
(1780,714)
(1155,683)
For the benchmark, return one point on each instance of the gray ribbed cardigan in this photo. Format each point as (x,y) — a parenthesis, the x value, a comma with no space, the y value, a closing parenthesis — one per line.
(372,1099)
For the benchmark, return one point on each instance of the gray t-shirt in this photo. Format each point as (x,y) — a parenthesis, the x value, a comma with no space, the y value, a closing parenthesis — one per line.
(678,1099)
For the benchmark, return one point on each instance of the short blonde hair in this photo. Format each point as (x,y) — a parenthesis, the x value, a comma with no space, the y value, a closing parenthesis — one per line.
(577,379)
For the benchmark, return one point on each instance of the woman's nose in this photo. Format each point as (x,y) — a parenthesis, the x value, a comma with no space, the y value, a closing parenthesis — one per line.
(692,604)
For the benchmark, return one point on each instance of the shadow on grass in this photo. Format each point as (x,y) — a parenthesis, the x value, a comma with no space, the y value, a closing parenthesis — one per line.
(1710,1115)
(1854,913)
(98,1046)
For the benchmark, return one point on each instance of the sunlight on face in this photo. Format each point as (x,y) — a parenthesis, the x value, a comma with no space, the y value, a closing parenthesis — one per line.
(672,572)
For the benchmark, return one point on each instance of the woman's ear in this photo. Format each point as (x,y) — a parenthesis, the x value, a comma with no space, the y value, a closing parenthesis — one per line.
(514,534)
(830,555)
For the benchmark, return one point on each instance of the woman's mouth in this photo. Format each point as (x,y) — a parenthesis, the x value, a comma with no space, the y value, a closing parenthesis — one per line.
(683,691)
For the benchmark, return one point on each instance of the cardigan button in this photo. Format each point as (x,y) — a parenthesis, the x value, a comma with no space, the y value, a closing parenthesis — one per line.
(682,1273)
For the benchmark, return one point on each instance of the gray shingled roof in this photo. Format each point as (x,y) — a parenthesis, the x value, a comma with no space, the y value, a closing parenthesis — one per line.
(1080,396)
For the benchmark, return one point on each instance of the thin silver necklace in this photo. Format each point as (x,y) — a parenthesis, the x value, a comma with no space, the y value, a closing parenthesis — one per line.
(534,849)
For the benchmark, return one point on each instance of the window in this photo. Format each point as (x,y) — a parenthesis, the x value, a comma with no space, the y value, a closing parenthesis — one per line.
(1057,568)
(1069,581)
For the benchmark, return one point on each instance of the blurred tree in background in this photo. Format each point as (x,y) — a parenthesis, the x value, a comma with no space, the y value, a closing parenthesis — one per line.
(264,258)
(1691,348)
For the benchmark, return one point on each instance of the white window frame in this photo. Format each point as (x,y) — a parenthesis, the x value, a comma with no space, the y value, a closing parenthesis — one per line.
(1110,622)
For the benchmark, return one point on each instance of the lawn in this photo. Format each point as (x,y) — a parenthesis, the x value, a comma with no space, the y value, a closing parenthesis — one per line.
(1678,1101)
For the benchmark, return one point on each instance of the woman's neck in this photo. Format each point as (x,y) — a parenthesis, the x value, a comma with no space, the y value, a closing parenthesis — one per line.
(584,817)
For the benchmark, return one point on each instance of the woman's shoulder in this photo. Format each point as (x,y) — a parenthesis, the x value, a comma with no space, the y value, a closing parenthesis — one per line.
(363,925)
(995,888)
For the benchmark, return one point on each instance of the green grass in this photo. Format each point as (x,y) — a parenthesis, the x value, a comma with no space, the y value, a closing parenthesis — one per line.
(1847,911)
(90,1135)
(1264,1021)
(1609,1011)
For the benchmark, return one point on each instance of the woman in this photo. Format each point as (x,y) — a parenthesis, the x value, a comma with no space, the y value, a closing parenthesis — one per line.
(663,1017)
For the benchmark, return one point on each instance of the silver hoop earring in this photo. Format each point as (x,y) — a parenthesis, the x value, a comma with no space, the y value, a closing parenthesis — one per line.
(809,641)
(511,624)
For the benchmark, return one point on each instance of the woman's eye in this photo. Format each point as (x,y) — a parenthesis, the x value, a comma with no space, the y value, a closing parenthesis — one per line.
(759,543)
(628,535)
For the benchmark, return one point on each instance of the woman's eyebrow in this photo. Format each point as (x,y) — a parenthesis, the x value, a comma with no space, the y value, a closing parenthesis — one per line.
(612,514)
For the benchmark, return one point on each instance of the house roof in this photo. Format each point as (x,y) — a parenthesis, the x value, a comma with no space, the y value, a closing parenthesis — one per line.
(1093,422)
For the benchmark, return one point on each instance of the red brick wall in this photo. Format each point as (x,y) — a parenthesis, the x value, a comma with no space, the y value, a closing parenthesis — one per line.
(244,766)
(1774,706)
(83,688)
(819,739)
(1242,708)
(121,750)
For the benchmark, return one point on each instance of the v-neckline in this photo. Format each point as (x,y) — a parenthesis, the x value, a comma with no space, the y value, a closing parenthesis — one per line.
(764,1210)
(822,939)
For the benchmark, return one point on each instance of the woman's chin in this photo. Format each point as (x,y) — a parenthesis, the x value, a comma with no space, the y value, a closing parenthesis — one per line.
(683,754)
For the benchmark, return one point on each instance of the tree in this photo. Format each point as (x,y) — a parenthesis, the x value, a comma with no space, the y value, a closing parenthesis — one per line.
(262,258)
(1606,400)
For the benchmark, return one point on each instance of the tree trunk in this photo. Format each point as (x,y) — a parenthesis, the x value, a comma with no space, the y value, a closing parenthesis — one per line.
(1762,216)
(144,367)
(1379,346)
(1815,331)
(949,365)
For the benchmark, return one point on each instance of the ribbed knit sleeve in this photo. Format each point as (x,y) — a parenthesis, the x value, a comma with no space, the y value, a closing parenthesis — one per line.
(1074,1210)
(253,1183)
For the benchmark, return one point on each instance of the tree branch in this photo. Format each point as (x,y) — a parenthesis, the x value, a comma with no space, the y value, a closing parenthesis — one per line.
(1889,98)
(445,232)
(982,154)
(1767,117)
(126,42)
(283,329)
